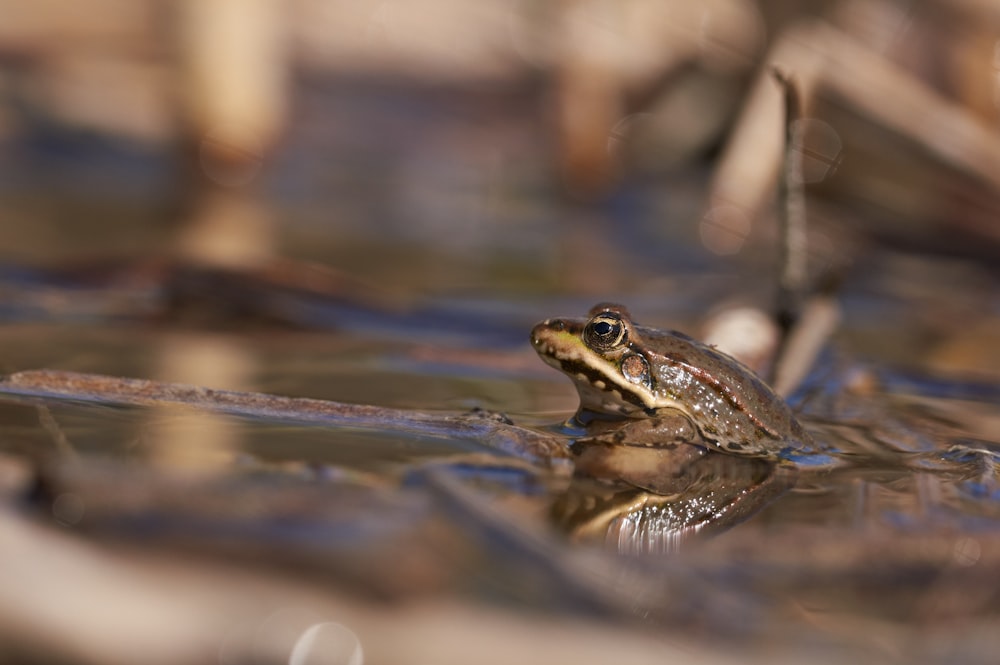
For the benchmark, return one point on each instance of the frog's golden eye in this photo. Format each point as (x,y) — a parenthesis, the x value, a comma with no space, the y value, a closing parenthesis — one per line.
(604,332)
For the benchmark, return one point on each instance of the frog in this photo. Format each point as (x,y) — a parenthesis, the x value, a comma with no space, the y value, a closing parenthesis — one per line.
(661,387)
(673,438)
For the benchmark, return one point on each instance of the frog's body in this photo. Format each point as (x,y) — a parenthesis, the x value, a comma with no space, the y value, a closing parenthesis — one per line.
(622,370)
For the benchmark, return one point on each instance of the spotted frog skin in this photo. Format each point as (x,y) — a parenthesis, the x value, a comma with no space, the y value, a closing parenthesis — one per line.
(628,372)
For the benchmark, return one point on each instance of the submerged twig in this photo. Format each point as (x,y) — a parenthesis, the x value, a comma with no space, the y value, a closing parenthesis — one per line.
(488,429)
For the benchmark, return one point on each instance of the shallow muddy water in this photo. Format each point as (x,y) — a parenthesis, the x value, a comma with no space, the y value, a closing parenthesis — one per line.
(440,252)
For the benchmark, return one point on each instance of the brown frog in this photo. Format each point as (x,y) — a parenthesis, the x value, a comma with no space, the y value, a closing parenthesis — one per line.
(674,386)
(658,410)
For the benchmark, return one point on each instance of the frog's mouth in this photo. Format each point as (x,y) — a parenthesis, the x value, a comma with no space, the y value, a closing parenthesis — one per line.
(600,386)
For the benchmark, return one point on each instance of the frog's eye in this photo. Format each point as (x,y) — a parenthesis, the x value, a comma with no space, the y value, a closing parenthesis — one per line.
(604,332)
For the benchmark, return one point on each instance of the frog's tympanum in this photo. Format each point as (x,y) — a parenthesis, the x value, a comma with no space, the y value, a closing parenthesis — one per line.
(655,405)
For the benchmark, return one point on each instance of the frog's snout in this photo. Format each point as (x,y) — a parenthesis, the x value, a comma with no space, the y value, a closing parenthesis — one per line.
(541,333)
(536,334)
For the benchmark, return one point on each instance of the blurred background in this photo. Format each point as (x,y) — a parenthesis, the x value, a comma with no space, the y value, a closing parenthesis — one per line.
(374,201)
(442,152)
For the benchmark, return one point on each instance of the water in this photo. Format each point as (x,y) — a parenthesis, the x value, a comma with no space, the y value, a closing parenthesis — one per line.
(447,264)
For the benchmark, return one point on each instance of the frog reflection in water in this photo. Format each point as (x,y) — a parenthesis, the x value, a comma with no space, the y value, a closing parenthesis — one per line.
(681,436)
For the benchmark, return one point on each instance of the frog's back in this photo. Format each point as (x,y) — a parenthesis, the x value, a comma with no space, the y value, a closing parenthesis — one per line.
(729,403)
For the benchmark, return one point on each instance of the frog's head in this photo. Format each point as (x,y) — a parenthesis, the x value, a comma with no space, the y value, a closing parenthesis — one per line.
(604,356)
